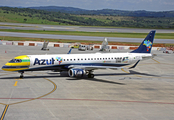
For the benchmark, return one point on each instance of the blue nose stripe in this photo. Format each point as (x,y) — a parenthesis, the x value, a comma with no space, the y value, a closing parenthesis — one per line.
(5,66)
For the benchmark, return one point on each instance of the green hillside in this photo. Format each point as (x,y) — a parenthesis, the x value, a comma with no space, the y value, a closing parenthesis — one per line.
(26,15)
(23,17)
(112,12)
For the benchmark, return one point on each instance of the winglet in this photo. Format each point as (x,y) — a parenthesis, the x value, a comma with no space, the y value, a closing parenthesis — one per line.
(69,51)
(135,64)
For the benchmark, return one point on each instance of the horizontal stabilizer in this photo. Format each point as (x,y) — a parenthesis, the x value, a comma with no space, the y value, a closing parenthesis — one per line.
(135,64)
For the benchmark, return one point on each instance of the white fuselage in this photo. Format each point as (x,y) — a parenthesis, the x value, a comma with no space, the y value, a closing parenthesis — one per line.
(115,59)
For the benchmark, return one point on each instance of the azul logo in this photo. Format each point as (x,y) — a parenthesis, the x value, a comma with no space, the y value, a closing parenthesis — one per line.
(44,61)
(59,59)
(148,44)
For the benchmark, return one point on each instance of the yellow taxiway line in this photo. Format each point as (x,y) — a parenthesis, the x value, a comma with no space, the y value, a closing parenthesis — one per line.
(4,112)
(15,83)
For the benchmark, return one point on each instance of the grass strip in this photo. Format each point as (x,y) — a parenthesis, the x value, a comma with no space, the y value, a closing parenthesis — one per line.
(101,34)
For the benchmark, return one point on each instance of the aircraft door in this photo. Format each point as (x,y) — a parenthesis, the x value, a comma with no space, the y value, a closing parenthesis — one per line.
(31,61)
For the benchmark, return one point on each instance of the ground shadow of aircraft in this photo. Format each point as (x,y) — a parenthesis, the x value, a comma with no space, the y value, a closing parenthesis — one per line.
(145,74)
(32,76)
(58,75)
(112,74)
(54,75)
(97,80)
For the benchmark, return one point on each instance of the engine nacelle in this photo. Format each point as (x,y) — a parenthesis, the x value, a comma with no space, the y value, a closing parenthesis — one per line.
(76,72)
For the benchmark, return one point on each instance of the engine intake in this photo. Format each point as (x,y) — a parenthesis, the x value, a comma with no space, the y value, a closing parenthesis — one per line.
(76,72)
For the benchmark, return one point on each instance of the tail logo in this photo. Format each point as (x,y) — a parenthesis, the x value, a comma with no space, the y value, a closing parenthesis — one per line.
(148,44)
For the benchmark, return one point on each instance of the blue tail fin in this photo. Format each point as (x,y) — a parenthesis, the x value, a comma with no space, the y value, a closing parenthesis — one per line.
(147,43)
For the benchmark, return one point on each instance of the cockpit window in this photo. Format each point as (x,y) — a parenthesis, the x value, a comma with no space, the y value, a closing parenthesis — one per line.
(15,61)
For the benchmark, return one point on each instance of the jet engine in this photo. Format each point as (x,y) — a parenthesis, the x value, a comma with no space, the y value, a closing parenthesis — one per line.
(76,72)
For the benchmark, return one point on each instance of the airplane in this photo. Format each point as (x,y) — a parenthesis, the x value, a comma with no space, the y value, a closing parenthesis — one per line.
(78,65)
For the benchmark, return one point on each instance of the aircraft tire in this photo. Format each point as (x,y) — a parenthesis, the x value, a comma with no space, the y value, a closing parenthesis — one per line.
(21,76)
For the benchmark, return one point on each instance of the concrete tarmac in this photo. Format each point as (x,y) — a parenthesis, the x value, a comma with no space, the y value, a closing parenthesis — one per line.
(143,93)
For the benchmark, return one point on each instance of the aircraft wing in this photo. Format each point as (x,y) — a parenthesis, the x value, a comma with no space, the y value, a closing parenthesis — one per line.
(87,67)
(93,67)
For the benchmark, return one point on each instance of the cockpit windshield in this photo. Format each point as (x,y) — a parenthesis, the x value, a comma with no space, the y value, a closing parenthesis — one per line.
(15,61)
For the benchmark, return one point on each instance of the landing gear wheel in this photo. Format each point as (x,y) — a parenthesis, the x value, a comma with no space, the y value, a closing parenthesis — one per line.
(22,76)
(90,75)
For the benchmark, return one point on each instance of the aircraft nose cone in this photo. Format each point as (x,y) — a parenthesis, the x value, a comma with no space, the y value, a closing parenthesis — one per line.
(3,67)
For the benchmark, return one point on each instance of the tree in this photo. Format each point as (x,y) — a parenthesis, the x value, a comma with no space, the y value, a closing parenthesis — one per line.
(25,19)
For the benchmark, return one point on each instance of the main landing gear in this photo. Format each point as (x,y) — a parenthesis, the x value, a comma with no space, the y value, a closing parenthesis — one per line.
(90,75)
(22,76)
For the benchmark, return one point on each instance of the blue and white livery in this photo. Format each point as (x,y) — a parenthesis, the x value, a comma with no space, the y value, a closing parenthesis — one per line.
(78,65)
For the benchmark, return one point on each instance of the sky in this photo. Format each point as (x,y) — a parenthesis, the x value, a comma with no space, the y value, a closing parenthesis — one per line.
(148,5)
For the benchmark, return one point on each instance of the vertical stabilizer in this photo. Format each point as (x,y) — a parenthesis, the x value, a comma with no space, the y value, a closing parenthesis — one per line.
(147,43)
